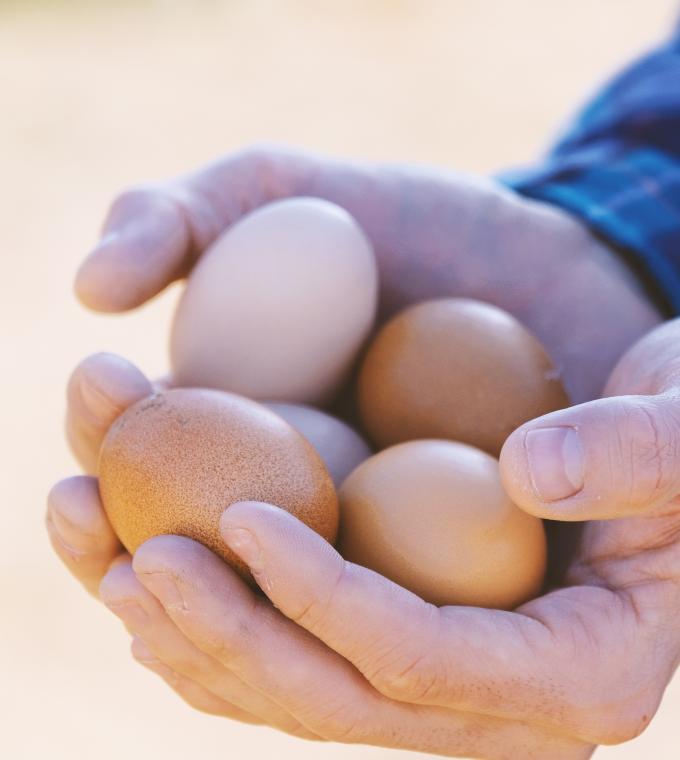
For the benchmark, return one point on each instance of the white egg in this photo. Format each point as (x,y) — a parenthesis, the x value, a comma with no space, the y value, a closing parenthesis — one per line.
(279,306)
(341,448)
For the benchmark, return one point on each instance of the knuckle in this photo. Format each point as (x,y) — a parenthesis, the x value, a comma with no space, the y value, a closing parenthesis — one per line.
(228,643)
(413,671)
(415,680)
(653,453)
(313,612)
(341,725)
(270,171)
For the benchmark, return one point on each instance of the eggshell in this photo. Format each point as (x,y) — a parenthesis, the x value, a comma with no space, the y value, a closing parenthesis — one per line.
(455,369)
(173,462)
(279,306)
(340,447)
(432,516)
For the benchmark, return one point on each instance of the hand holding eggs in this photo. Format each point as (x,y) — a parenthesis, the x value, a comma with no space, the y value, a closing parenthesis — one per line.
(278,310)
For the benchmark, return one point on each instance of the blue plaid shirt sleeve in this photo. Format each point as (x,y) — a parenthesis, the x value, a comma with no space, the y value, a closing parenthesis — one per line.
(617,167)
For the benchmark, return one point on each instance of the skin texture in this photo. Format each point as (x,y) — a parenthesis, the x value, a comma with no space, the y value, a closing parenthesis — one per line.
(345,654)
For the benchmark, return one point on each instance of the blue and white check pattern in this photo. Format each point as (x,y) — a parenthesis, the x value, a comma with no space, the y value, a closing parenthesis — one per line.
(618,168)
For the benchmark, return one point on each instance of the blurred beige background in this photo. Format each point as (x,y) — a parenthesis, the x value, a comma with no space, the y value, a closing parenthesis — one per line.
(95,96)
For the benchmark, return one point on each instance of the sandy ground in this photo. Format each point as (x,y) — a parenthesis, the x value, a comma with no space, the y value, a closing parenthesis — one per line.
(97,96)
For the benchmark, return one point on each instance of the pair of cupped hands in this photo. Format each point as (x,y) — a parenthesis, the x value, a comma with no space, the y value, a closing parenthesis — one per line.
(335,651)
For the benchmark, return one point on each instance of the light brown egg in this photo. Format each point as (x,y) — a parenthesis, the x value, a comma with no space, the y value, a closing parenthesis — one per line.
(173,462)
(340,447)
(455,369)
(279,305)
(433,517)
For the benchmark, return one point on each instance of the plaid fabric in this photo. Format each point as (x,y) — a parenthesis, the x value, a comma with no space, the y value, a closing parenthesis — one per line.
(618,168)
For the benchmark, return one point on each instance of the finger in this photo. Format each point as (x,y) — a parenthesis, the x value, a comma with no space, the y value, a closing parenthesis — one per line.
(146,243)
(192,693)
(650,366)
(79,531)
(613,457)
(153,234)
(355,611)
(217,611)
(101,388)
(144,616)
(502,664)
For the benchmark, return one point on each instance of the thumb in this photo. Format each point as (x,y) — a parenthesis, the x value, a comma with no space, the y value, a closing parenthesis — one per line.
(608,458)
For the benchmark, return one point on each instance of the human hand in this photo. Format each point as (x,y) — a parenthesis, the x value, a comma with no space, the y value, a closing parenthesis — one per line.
(435,234)
(285,677)
(585,664)
(155,234)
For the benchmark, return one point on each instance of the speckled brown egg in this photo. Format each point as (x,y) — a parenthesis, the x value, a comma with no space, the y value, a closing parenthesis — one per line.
(433,517)
(173,462)
(455,369)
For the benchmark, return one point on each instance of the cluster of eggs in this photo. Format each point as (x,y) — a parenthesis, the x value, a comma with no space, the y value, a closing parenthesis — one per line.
(273,322)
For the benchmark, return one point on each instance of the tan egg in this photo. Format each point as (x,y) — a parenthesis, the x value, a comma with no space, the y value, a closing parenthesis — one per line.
(340,447)
(433,517)
(173,462)
(455,369)
(279,306)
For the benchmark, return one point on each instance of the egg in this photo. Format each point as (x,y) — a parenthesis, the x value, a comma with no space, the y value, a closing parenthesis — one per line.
(173,462)
(340,447)
(432,516)
(455,369)
(279,306)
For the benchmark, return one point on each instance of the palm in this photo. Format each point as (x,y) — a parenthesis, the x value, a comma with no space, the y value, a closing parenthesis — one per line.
(614,580)
(443,234)
(614,602)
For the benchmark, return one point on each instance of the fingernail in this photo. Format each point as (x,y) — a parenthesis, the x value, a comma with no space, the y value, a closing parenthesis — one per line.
(66,531)
(162,585)
(243,542)
(98,404)
(556,464)
(131,613)
(74,553)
